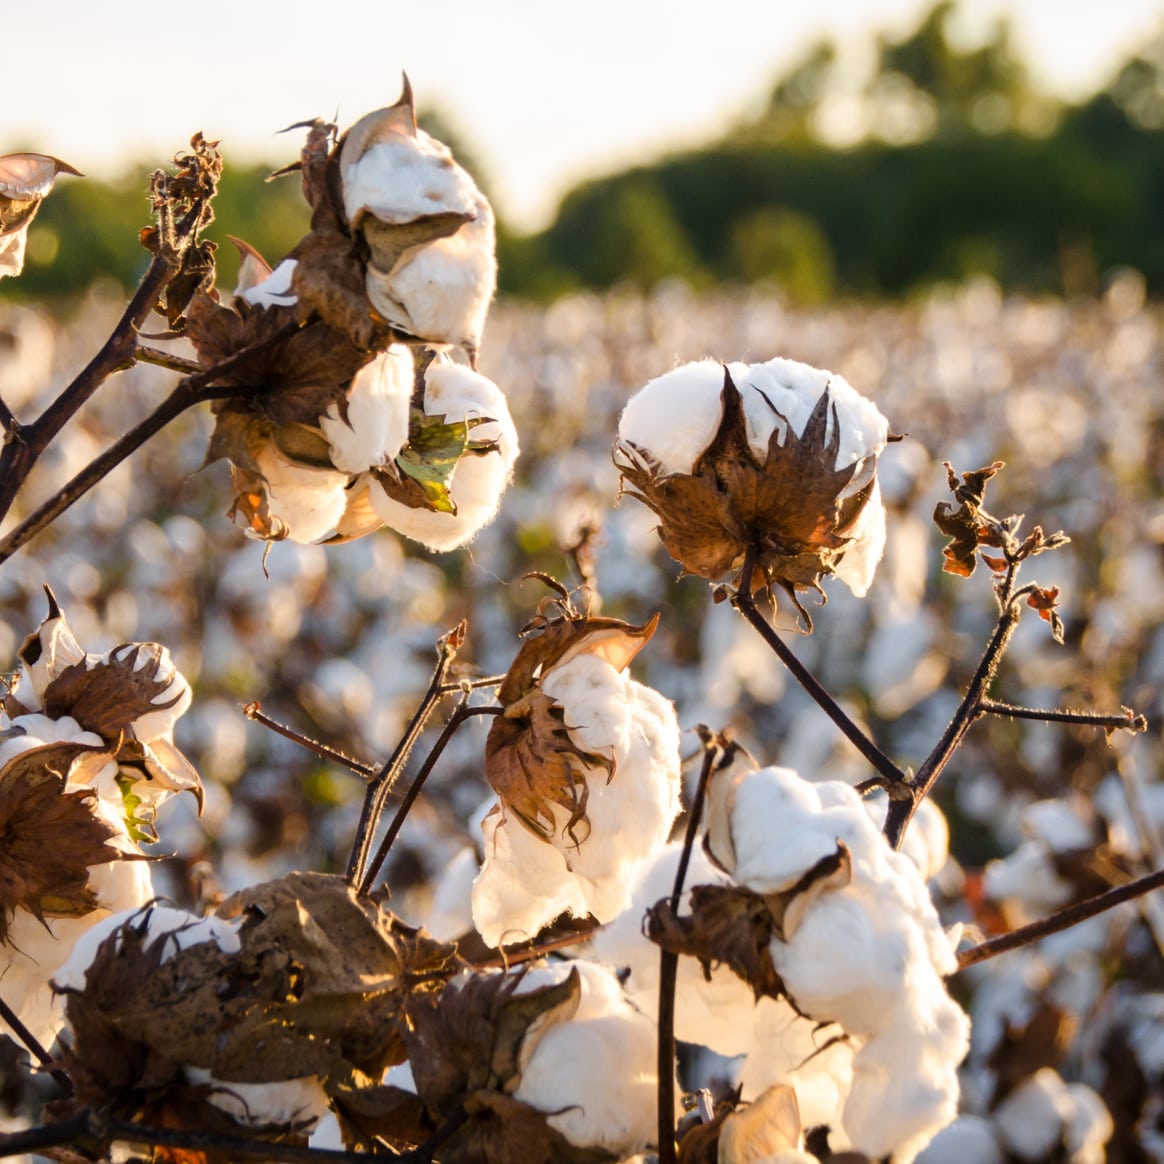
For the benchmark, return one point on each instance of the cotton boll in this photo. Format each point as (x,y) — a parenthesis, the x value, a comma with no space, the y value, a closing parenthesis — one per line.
(1028,878)
(1030,1119)
(526,881)
(458,394)
(596,1072)
(296,1103)
(867,543)
(308,502)
(376,424)
(272,291)
(676,415)
(970,1139)
(717,1011)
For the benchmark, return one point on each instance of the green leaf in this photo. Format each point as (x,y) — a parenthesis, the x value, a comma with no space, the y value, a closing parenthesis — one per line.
(434,449)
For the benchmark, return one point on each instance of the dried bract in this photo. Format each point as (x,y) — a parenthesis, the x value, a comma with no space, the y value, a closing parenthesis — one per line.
(25,181)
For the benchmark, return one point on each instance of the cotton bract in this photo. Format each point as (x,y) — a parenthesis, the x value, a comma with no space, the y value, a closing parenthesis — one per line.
(25,180)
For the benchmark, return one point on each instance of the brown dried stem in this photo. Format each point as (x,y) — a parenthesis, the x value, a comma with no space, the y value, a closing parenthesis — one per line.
(1062,919)
(253,710)
(713,748)
(189,392)
(745,602)
(32,1044)
(1126,719)
(381,784)
(458,717)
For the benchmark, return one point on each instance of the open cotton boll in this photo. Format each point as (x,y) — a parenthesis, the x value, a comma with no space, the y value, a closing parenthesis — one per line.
(376,424)
(296,1103)
(308,502)
(172,702)
(717,1010)
(970,1139)
(629,809)
(479,479)
(594,1074)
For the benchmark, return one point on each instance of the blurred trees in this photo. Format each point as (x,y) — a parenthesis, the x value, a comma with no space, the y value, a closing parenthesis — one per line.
(953,165)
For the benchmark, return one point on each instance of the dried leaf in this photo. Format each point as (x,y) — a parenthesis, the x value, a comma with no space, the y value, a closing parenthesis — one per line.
(968,526)
(727,924)
(50,838)
(371,1113)
(795,509)
(471,1038)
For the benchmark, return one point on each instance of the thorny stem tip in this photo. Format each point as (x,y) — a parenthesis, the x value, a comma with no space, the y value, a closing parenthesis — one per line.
(381,784)
(716,751)
(459,716)
(1062,919)
(253,710)
(745,602)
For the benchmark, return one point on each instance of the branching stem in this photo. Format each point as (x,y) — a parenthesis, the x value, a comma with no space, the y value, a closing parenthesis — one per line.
(458,717)
(1062,919)
(381,784)
(1126,719)
(189,392)
(253,710)
(32,1043)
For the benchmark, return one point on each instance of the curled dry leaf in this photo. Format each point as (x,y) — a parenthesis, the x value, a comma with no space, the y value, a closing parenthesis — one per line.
(1045,600)
(795,510)
(531,759)
(49,838)
(968,526)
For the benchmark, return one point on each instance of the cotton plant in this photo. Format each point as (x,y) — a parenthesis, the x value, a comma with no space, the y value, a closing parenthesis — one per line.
(86,758)
(585,764)
(826,919)
(363,417)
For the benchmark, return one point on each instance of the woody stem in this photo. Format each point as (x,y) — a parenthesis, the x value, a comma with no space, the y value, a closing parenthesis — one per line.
(669,961)
(745,602)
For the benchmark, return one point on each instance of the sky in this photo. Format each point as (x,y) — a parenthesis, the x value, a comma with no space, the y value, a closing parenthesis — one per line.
(547,93)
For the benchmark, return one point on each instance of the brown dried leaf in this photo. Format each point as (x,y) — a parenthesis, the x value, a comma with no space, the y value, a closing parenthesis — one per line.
(789,508)
(471,1038)
(329,281)
(503,1130)
(49,838)
(727,924)
(107,697)
(968,526)
(370,1113)
(1046,601)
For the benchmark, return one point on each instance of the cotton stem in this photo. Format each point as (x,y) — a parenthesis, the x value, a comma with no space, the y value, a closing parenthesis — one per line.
(253,710)
(714,747)
(32,1044)
(745,602)
(382,783)
(458,717)
(188,393)
(1062,919)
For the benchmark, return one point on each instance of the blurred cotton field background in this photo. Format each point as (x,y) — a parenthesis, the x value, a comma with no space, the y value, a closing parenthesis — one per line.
(340,643)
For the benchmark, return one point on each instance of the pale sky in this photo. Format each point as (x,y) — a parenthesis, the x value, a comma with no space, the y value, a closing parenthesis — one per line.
(547,92)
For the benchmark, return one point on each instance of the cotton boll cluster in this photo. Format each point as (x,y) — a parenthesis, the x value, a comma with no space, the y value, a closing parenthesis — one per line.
(776,458)
(595,1074)
(861,946)
(570,835)
(716,1009)
(86,757)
